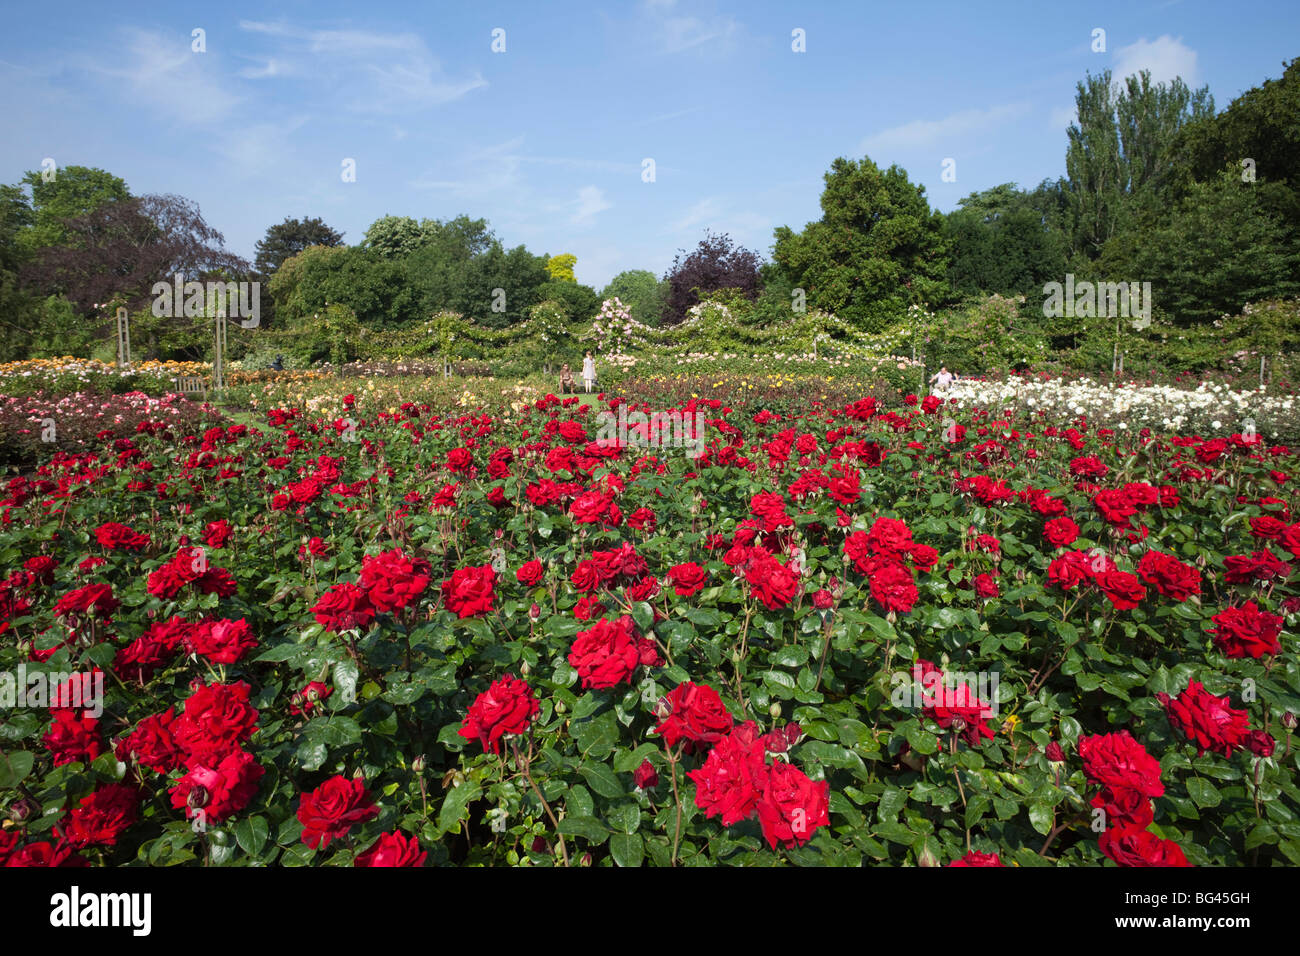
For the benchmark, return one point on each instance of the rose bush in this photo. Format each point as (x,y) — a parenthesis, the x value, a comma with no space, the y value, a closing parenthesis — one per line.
(853,630)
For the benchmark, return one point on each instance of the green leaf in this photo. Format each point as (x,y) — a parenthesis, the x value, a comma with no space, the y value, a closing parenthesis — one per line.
(345,679)
(14,767)
(602,779)
(1040,816)
(627,849)
(589,828)
(455,806)
(251,834)
(1203,792)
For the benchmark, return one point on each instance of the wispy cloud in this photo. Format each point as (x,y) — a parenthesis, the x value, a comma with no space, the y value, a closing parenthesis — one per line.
(159,70)
(591,202)
(1166,58)
(924,133)
(375,72)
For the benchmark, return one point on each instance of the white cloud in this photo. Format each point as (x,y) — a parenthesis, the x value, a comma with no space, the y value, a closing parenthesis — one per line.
(1165,57)
(373,72)
(705,211)
(591,201)
(924,133)
(160,70)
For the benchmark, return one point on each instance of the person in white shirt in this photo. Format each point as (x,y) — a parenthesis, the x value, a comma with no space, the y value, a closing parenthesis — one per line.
(588,372)
(942,379)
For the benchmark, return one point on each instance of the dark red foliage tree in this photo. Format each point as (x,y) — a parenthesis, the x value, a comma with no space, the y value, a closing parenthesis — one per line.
(715,264)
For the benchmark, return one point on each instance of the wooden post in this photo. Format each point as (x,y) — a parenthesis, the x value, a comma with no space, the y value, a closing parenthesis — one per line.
(218,363)
(123,337)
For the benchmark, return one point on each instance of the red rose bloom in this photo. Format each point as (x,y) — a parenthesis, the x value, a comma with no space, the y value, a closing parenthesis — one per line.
(1206,720)
(1122,589)
(152,743)
(343,607)
(986,587)
(392,849)
(976,858)
(219,787)
(774,584)
(332,809)
(1247,631)
(1120,762)
(73,737)
(96,599)
(48,855)
(392,580)
(1169,576)
(893,587)
(645,777)
(469,591)
(530,574)
(1133,847)
(791,806)
(217,533)
(1060,532)
(221,642)
(695,713)
(610,652)
(732,777)
(687,579)
(102,817)
(506,707)
(217,719)
(113,536)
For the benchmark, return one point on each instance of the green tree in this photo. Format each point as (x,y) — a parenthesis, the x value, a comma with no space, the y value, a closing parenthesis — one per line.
(395,237)
(73,191)
(1121,150)
(641,292)
(877,249)
(286,239)
(1005,240)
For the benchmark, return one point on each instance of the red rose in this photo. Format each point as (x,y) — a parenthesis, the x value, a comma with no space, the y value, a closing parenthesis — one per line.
(506,707)
(47,854)
(893,587)
(309,699)
(217,719)
(729,783)
(587,576)
(217,533)
(1169,576)
(695,713)
(343,607)
(332,809)
(1060,532)
(587,608)
(1256,566)
(392,580)
(73,737)
(1206,720)
(219,787)
(774,584)
(113,536)
(102,817)
(96,599)
(986,587)
(1133,847)
(530,574)
(976,858)
(152,743)
(1122,589)
(610,652)
(1247,631)
(469,591)
(791,806)
(1069,570)
(222,642)
(1124,807)
(889,536)
(392,849)
(1120,762)
(769,507)
(687,579)
(645,777)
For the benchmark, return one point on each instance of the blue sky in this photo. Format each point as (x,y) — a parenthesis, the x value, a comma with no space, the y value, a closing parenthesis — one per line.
(547,139)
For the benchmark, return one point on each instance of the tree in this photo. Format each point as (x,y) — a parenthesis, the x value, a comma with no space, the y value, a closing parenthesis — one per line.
(877,249)
(1006,241)
(286,239)
(580,302)
(377,290)
(121,248)
(394,237)
(1121,150)
(716,263)
(461,265)
(561,267)
(73,192)
(16,306)
(641,292)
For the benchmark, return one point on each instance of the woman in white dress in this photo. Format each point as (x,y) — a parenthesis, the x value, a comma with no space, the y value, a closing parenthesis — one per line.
(588,372)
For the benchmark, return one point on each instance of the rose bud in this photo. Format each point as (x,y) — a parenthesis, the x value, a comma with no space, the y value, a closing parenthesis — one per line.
(540,845)
(645,776)
(793,734)
(1054,753)
(775,711)
(198,797)
(534,613)
(417,764)
(823,600)
(775,743)
(926,857)
(21,810)
(1260,743)
(1288,720)
(586,859)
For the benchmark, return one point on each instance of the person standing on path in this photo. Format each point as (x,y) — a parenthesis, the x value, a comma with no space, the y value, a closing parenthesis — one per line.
(588,372)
